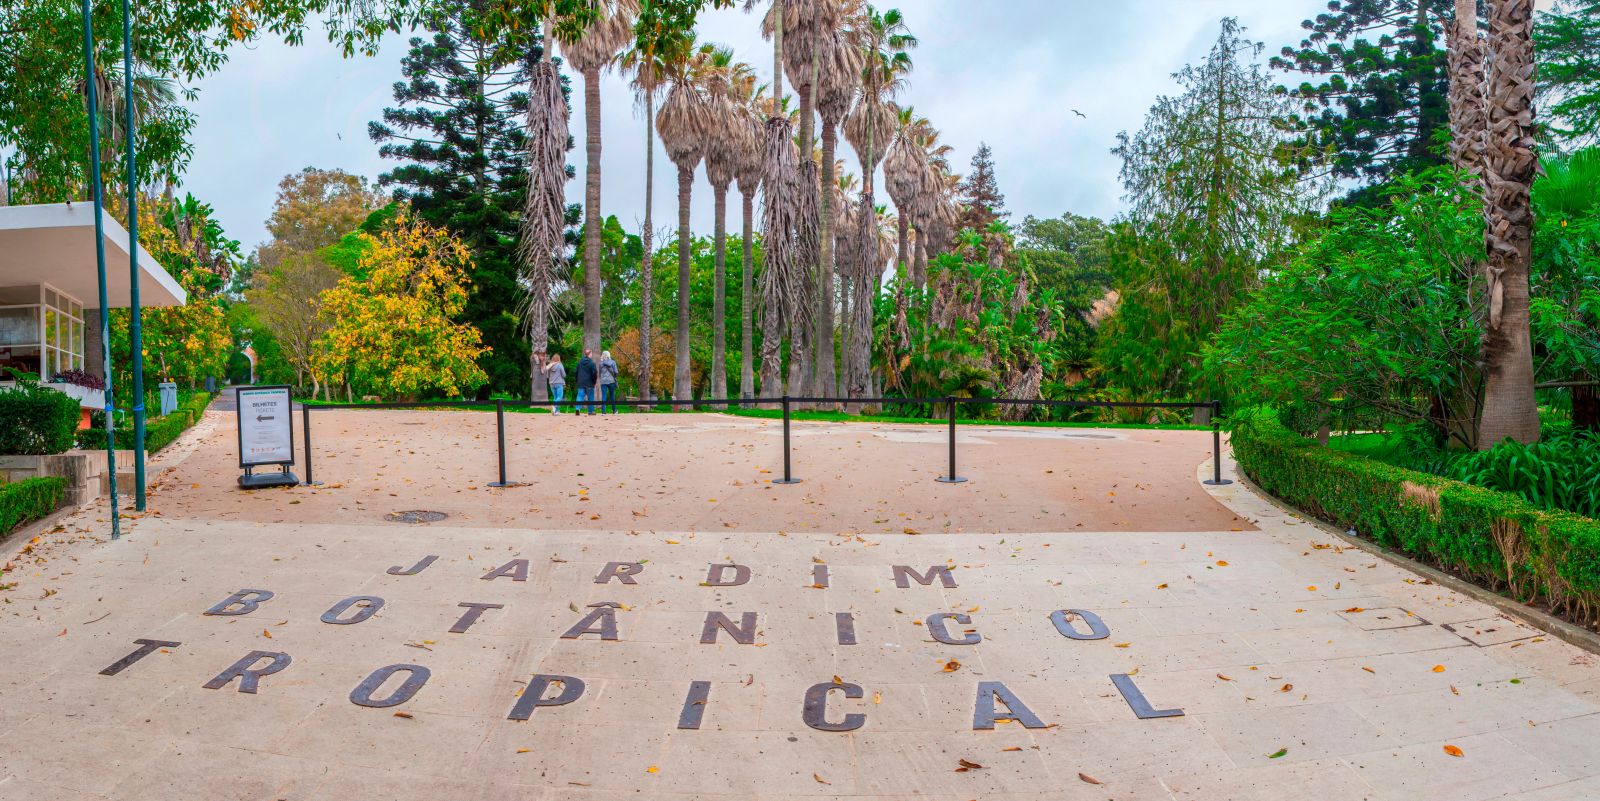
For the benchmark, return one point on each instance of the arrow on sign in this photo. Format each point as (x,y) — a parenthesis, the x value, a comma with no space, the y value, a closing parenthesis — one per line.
(263,418)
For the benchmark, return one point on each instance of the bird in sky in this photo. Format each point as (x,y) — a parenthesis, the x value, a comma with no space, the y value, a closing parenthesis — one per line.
(1079,113)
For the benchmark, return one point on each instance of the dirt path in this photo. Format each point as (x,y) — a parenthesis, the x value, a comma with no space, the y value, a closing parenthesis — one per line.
(712,472)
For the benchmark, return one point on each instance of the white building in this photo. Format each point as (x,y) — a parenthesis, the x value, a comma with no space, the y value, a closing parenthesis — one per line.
(49,320)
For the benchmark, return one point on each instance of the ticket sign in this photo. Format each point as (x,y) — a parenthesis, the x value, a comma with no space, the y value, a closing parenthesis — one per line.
(266,426)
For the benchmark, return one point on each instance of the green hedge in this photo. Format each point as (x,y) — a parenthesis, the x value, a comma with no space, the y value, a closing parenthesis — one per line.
(1493,538)
(159,432)
(38,420)
(29,499)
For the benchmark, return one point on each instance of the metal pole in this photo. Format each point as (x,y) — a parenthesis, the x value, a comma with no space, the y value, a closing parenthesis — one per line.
(305,426)
(500,427)
(100,260)
(787,478)
(950,403)
(1216,479)
(135,331)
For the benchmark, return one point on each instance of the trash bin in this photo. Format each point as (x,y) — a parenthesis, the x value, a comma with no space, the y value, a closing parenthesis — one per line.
(211,383)
(169,398)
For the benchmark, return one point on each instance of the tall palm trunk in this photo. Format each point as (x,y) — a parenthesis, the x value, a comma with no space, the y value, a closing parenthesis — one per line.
(719,298)
(864,290)
(591,211)
(682,378)
(902,256)
(646,271)
(921,268)
(747,380)
(1509,409)
(827,382)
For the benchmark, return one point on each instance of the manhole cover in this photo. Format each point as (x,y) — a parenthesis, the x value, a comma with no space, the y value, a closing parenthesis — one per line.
(415,516)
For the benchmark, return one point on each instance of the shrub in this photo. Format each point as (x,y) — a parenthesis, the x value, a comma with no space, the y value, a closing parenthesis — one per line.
(29,499)
(79,378)
(1494,538)
(38,420)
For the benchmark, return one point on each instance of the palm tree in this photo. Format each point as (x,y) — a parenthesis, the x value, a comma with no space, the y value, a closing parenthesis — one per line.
(905,175)
(1509,409)
(839,63)
(590,53)
(648,67)
(728,146)
(684,122)
(749,177)
(884,40)
(543,244)
(782,276)
(1466,89)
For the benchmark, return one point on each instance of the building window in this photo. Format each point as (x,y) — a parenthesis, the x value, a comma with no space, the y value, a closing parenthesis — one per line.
(41,331)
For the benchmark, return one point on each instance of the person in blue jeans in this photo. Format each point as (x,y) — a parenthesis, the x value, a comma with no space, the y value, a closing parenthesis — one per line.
(556,376)
(587,375)
(608,382)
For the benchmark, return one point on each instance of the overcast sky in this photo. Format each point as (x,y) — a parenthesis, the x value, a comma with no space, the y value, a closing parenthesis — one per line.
(1006,72)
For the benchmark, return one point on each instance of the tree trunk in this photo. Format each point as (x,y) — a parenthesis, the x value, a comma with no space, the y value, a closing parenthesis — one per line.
(719,301)
(827,379)
(1509,408)
(538,382)
(747,380)
(591,212)
(921,268)
(646,270)
(902,260)
(771,349)
(682,376)
(1467,125)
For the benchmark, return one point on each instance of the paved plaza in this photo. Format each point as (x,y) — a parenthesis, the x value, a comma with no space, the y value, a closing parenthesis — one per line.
(651,618)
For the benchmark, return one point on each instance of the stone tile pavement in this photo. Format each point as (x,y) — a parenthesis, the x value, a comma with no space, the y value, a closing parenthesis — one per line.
(1303,669)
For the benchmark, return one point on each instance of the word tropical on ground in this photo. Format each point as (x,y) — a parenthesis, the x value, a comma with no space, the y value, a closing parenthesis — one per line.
(993,702)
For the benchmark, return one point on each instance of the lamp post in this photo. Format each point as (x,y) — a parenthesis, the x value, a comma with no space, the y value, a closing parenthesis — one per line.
(100,258)
(135,335)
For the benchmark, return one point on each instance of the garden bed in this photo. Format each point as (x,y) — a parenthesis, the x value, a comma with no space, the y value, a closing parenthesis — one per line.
(159,432)
(1495,539)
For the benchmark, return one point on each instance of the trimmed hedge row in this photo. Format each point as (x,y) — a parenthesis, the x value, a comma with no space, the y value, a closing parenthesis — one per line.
(29,499)
(159,432)
(38,420)
(1493,538)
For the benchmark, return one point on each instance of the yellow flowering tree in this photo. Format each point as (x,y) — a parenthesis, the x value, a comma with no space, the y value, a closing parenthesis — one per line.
(391,332)
(183,344)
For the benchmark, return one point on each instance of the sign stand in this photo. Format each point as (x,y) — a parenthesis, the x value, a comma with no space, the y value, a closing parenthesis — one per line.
(266,436)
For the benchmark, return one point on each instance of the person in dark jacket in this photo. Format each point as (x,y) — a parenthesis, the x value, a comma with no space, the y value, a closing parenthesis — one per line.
(608,381)
(587,375)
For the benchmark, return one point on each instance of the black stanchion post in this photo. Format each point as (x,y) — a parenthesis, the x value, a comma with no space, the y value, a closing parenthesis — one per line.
(500,429)
(305,426)
(1216,479)
(788,478)
(950,403)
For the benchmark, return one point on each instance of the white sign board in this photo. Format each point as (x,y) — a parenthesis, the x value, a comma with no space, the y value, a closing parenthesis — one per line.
(266,426)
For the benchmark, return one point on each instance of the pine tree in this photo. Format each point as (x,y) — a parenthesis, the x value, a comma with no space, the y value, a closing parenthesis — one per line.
(458,127)
(981,201)
(1567,41)
(1376,88)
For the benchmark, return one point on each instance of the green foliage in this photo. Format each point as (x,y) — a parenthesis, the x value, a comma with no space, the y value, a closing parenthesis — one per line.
(1069,255)
(38,420)
(1492,537)
(1567,41)
(1212,205)
(1565,302)
(1561,471)
(29,499)
(1376,311)
(976,331)
(1376,89)
(457,130)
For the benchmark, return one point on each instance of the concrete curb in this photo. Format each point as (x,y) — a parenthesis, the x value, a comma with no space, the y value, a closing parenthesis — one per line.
(1569,633)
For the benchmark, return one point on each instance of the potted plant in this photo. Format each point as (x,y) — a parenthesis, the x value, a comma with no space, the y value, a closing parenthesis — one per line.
(84,387)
